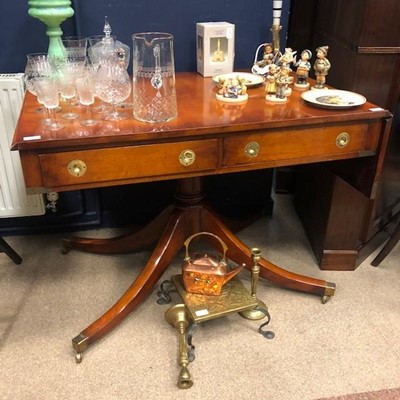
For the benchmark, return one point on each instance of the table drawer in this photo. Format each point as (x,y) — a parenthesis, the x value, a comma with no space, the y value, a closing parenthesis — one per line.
(124,163)
(308,144)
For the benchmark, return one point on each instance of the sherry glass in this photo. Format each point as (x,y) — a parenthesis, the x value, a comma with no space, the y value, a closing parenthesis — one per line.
(49,89)
(68,72)
(85,86)
(113,85)
(39,97)
(75,57)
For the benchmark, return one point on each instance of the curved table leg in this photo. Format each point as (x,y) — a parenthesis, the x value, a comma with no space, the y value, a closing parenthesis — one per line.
(127,243)
(189,216)
(241,254)
(168,246)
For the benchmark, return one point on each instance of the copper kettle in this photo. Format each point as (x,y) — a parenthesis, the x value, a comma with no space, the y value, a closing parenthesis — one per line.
(206,273)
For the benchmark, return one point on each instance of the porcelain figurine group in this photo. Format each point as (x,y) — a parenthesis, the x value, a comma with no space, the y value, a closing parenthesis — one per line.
(232,89)
(278,77)
(277,71)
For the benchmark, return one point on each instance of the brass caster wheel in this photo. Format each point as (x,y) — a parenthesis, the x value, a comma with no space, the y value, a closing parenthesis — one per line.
(325,299)
(78,357)
(329,292)
(66,247)
(65,250)
(79,344)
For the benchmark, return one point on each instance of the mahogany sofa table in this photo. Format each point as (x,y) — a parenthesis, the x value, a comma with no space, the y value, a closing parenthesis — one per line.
(207,138)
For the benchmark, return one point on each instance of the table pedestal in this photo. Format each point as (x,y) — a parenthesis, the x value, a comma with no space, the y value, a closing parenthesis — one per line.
(170,229)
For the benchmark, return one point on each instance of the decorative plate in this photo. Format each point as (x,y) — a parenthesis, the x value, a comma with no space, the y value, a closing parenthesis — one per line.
(331,98)
(251,80)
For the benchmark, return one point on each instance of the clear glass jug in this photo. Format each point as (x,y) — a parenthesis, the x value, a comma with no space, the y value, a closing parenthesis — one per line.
(154,96)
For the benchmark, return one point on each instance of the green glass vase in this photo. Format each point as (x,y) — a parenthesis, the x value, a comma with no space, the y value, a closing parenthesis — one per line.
(52,13)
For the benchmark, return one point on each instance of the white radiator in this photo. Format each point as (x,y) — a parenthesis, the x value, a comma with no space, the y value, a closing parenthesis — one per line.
(14,202)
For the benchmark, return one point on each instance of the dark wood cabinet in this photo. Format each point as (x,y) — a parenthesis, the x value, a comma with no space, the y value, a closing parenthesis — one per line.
(364,46)
(364,49)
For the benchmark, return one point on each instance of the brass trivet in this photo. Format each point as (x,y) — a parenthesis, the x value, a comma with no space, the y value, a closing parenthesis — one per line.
(234,297)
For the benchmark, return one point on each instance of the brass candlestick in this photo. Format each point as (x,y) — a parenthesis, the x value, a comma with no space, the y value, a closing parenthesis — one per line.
(178,317)
(259,311)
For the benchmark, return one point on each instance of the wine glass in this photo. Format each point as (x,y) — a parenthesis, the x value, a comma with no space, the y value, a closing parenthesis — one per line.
(32,69)
(113,85)
(49,93)
(75,48)
(38,65)
(85,86)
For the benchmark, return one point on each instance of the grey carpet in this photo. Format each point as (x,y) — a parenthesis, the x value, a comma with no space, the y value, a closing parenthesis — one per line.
(349,345)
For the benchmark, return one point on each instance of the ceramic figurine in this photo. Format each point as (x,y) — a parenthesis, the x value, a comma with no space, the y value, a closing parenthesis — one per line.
(261,67)
(288,57)
(283,80)
(232,90)
(270,81)
(321,67)
(268,56)
(303,69)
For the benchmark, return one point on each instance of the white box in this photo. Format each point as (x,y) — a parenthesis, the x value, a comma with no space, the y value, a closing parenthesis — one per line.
(215,48)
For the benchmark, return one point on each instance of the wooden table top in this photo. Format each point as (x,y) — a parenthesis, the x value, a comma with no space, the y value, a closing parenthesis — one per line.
(199,115)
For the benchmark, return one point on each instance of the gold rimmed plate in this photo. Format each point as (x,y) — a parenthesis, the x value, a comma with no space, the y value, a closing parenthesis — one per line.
(251,80)
(333,99)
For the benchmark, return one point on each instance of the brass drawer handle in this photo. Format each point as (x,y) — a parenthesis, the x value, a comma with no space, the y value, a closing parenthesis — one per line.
(187,157)
(77,168)
(342,140)
(252,149)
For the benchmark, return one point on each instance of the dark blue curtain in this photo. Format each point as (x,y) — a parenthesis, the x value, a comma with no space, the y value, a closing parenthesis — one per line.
(23,34)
